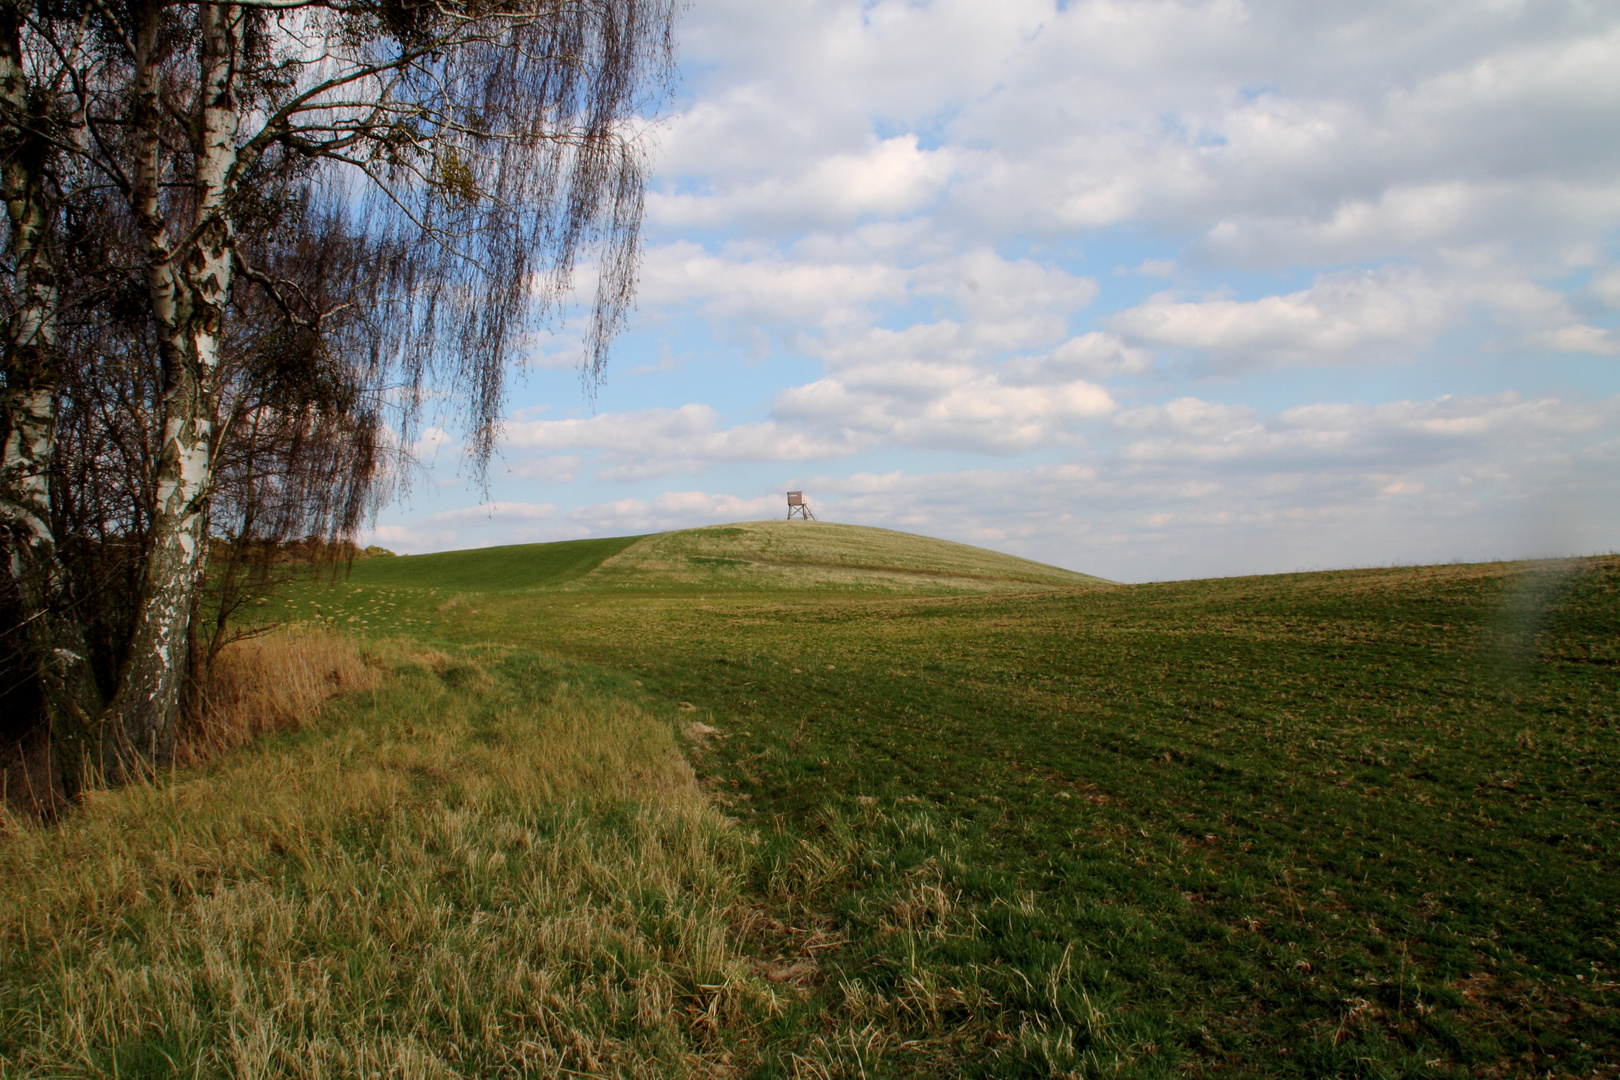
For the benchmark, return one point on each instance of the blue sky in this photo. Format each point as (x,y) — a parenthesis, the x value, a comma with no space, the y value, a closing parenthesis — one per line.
(1145,289)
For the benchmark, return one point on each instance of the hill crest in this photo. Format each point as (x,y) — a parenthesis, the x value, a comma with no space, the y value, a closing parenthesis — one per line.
(816,555)
(750,555)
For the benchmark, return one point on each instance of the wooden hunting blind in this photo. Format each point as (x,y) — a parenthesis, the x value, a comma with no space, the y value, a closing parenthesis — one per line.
(797,505)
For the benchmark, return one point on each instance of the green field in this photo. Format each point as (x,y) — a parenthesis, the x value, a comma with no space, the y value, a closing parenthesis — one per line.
(994,818)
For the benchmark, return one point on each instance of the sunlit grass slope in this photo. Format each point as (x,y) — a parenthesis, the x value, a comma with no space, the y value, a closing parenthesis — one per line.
(515,566)
(759,555)
(750,556)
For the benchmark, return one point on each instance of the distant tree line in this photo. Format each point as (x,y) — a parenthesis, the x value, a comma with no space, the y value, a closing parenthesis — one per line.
(248,244)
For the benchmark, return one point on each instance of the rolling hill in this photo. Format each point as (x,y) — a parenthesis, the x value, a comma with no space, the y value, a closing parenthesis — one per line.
(749,556)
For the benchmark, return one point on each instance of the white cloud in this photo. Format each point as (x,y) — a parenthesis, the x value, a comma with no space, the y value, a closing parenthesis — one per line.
(1093,355)
(1196,488)
(1413,219)
(768,290)
(658,442)
(1014,299)
(1335,319)
(1605,285)
(1369,316)
(1397,434)
(893,177)
(408,540)
(783,86)
(1152,268)
(1369,131)
(1019,296)
(1581,339)
(943,406)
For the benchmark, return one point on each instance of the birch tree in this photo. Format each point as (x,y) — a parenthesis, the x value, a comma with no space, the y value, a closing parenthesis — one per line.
(480,149)
(36,117)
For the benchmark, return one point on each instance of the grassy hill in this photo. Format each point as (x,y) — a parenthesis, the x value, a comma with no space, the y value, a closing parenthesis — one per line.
(959,815)
(493,569)
(755,555)
(819,555)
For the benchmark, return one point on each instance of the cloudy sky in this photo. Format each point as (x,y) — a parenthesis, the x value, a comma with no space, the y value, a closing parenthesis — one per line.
(1145,288)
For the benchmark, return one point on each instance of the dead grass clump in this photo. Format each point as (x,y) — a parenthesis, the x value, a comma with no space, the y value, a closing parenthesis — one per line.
(270,683)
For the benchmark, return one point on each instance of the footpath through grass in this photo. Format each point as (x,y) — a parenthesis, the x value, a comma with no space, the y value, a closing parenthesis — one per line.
(1350,824)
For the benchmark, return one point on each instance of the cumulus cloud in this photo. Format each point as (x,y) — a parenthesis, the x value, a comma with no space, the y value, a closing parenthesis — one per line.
(768,290)
(943,406)
(553,469)
(1397,434)
(658,442)
(1332,321)
(1394,312)
(1605,285)
(893,177)
(1307,131)
(1023,300)
(1284,129)
(1014,301)
(410,539)
(915,402)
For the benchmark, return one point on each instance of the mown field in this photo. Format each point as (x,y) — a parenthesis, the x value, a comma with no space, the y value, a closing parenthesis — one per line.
(981,818)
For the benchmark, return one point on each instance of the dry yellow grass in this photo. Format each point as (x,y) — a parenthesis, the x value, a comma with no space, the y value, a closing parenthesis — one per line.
(474,870)
(269,683)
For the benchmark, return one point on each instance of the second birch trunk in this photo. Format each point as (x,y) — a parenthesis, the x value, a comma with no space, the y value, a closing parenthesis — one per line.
(189,290)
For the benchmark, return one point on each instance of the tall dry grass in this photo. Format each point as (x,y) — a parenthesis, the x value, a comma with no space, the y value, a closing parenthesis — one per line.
(270,683)
(257,685)
(475,870)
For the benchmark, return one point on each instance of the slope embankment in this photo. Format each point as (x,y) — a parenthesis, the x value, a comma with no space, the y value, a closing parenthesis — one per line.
(484,867)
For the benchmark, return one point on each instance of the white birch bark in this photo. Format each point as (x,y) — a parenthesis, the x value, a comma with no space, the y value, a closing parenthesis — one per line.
(188,289)
(29,400)
(30,388)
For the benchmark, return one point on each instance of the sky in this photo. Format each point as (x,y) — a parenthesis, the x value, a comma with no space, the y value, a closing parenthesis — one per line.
(1141,288)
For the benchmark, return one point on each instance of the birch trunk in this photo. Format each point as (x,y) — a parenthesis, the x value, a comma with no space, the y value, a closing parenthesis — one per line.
(28,406)
(188,289)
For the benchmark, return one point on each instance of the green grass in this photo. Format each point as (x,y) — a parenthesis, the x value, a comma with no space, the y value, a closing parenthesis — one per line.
(772,556)
(521,566)
(1360,823)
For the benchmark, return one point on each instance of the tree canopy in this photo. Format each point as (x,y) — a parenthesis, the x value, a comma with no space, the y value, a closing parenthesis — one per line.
(248,243)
